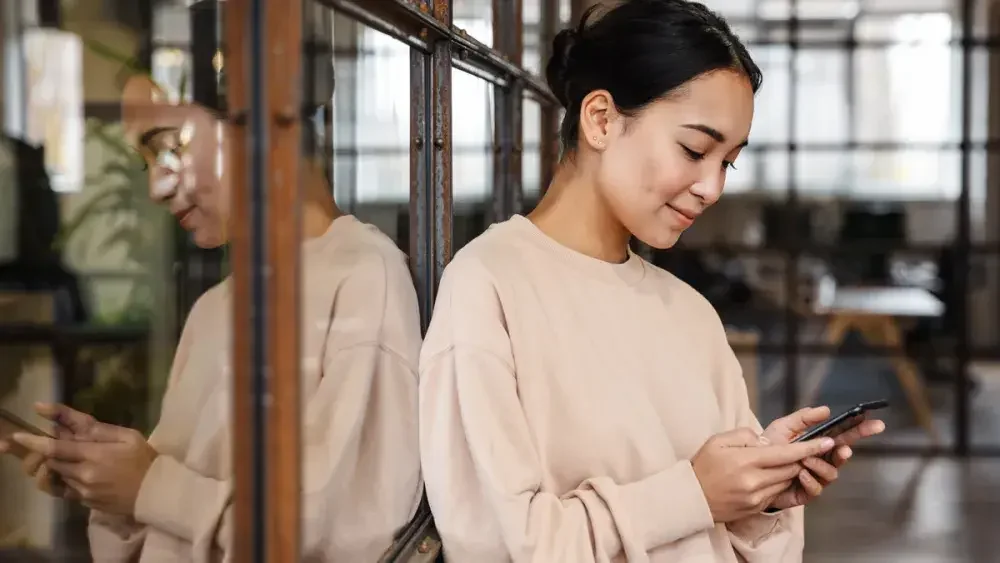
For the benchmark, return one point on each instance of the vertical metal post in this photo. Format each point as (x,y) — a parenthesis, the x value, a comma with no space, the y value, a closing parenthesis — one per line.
(280,69)
(791,398)
(247,502)
(441,150)
(266,240)
(963,254)
(421,183)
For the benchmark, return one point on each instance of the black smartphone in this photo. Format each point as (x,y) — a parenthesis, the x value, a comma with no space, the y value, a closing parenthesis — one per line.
(10,423)
(20,424)
(837,425)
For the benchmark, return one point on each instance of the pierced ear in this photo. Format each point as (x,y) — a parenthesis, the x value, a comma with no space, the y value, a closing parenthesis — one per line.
(596,114)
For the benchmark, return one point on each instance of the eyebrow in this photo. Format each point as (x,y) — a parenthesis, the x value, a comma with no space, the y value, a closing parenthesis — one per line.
(151,134)
(711,132)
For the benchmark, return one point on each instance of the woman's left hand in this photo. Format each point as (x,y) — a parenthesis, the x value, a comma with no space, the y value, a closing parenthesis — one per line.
(104,470)
(817,473)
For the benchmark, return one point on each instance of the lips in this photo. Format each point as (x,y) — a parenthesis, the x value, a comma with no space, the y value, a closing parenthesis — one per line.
(686,217)
(184,217)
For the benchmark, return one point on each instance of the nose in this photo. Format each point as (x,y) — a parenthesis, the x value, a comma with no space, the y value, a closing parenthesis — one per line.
(709,188)
(164,180)
(163,185)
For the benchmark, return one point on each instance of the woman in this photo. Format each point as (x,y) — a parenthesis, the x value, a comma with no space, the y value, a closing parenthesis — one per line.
(169,499)
(576,403)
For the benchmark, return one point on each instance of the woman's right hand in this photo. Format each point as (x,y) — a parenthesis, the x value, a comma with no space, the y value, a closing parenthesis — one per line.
(739,476)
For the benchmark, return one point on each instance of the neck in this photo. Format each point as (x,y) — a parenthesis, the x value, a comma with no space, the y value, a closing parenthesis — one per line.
(318,206)
(573,213)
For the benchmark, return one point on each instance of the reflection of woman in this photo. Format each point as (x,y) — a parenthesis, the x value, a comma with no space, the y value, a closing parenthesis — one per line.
(578,404)
(169,498)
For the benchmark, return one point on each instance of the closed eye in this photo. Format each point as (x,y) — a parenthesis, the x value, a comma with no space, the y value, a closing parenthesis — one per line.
(693,155)
(696,156)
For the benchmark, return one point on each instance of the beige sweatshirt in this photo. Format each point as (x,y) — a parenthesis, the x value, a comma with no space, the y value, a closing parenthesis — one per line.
(361,480)
(561,399)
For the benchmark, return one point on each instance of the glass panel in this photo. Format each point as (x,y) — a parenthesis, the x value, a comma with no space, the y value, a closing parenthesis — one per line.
(868,174)
(984,328)
(89,295)
(821,103)
(531,160)
(371,127)
(475,17)
(360,327)
(890,109)
(533,37)
(472,156)
(770,121)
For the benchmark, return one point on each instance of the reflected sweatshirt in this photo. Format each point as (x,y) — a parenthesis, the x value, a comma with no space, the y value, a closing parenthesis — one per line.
(561,399)
(361,472)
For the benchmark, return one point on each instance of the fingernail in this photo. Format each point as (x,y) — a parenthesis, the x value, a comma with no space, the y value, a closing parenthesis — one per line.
(880,426)
(827,443)
(763,441)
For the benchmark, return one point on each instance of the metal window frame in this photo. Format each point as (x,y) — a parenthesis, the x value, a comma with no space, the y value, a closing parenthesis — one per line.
(792,348)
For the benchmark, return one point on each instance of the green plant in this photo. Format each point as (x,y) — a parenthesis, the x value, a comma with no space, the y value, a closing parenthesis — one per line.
(118,216)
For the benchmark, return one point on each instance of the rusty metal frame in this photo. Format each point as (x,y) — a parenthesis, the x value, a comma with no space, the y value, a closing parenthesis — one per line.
(263,62)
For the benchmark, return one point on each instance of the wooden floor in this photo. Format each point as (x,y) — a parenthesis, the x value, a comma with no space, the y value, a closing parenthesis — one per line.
(901,510)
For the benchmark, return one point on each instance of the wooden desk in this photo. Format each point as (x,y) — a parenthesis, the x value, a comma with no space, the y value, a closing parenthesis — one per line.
(875,312)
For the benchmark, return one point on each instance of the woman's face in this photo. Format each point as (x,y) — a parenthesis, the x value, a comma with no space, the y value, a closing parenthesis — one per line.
(183,147)
(659,170)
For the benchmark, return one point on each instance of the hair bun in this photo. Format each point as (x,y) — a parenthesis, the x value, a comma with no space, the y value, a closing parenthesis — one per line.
(556,70)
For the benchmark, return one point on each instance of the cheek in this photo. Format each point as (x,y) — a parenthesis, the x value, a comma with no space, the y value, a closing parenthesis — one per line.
(639,179)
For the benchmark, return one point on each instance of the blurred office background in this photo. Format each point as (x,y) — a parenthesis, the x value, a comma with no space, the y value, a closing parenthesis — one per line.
(854,256)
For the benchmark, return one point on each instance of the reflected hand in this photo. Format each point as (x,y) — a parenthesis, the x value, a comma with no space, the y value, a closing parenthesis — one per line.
(67,422)
(103,467)
(821,473)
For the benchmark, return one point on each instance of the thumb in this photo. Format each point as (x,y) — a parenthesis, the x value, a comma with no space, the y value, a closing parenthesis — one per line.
(802,419)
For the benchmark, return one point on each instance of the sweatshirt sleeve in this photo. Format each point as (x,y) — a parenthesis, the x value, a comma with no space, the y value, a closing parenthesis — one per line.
(483,474)
(119,539)
(359,439)
(762,538)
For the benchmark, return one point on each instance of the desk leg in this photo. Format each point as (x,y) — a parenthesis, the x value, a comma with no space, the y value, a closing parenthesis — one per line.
(910,378)
(836,330)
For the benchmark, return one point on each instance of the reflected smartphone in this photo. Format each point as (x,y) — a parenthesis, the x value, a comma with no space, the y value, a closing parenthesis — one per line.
(835,426)
(11,423)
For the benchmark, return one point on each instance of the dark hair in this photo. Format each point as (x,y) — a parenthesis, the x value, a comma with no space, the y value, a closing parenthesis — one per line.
(640,51)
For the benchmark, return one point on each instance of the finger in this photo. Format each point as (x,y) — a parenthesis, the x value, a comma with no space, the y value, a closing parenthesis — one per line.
(775,475)
(825,472)
(4,446)
(810,484)
(864,430)
(74,420)
(784,454)
(32,463)
(101,432)
(71,489)
(69,470)
(51,448)
(841,455)
(768,493)
(800,420)
(43,480)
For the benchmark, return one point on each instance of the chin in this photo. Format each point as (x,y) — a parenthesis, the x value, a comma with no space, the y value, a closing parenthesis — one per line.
(207,240)
(661,240)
